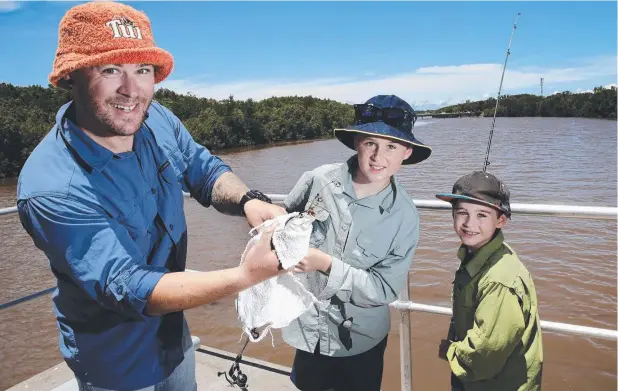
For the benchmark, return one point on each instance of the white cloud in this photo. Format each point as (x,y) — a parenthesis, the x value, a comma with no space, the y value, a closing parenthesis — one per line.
(423,87)
(581,90)
(8,6)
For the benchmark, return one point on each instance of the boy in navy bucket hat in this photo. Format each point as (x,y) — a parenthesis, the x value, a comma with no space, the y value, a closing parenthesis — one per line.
(494,340)
(363,241)
(386,116)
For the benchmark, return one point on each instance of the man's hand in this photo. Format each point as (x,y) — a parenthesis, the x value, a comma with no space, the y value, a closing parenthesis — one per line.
(182,290)
(314,260)
(261,262)
(258,212)
(444,345)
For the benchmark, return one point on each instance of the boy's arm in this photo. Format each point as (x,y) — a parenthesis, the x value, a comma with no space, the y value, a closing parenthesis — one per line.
(498,328)
(297,198)
(378,285)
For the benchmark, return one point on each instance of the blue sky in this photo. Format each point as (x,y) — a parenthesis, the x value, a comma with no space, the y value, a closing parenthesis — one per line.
(429,53)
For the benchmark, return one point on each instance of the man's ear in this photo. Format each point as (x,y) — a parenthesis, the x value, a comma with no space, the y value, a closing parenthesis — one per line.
(65,82)
(501,220)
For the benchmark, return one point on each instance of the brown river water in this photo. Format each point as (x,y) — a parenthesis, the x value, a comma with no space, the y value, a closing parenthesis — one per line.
(543,160)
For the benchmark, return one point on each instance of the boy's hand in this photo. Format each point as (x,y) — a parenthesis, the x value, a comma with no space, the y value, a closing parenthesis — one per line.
(444,345)
(314,260)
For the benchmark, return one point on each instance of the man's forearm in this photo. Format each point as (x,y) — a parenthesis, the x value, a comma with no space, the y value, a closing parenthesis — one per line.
(185,290)
(227,192)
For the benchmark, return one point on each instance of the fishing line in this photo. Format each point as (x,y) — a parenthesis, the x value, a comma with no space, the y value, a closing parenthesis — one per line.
(493,123)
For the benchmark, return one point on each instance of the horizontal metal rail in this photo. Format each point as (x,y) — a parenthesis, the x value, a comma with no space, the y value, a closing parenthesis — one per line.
(595,212)
(26,298)
(431,309)
(599,212)
(6,211)
(545,325)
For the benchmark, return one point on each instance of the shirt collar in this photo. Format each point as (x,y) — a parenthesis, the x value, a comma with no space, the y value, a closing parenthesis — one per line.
(88,150)
(384,200)
(474,265)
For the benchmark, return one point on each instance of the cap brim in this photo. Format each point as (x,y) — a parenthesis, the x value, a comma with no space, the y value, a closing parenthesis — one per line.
(420,151)
(159,58)
(448,197)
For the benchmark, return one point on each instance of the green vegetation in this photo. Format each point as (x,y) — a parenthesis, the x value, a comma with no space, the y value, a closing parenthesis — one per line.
(600,103)
(28,113)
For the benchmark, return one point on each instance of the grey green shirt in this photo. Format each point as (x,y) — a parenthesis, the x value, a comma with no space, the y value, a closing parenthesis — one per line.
(495,322)
(371,240)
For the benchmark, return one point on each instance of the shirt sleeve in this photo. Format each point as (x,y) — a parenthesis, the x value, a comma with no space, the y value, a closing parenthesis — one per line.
(378,285)
(498,328)
(92,251)
(203,168)
(297,198)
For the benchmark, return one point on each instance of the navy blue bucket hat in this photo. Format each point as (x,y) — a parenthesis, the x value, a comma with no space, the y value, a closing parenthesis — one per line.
(386,116)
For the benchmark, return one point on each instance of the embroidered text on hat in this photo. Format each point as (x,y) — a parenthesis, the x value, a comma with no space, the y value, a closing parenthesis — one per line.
(124,28)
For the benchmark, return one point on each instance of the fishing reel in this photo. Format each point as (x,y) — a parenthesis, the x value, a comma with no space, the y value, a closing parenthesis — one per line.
(236,377)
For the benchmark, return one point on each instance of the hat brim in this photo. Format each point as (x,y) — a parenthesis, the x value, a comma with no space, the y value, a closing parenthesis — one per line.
(161,59)
(449,197)
(420,151)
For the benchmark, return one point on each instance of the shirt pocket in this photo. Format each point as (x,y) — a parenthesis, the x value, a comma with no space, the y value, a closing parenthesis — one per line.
(179,164)
(171,180)
(368,250)
(140,223)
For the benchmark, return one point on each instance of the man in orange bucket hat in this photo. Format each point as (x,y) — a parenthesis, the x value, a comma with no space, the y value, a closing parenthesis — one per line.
(102,196)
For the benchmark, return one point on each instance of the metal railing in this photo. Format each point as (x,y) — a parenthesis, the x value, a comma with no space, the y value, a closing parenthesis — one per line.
(405,306)
(6,211)
(593,212)
(586,331)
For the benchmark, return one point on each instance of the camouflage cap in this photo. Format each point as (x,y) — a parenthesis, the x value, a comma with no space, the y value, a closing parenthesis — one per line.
(481,187)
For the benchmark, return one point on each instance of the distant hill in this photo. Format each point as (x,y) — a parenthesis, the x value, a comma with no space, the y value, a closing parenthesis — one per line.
(599,103)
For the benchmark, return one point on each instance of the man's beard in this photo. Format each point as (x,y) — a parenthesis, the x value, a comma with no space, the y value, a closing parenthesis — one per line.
(113,125)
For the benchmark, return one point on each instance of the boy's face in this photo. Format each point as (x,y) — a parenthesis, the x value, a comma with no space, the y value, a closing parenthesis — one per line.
(475,224)
(379,158)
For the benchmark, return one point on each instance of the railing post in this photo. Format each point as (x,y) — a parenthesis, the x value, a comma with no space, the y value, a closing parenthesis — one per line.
(405,340)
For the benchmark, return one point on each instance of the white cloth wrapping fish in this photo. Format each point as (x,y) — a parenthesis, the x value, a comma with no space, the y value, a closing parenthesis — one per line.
(276,302)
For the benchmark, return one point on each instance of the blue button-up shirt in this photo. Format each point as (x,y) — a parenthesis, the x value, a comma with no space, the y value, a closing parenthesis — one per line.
(111,226)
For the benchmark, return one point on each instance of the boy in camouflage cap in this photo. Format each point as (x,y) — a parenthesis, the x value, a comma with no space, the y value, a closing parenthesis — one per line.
(494,340)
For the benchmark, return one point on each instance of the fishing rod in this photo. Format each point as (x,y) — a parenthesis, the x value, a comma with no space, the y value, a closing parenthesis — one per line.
(493,123)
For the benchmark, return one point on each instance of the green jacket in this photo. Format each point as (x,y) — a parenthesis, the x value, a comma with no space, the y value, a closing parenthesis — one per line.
(495,325)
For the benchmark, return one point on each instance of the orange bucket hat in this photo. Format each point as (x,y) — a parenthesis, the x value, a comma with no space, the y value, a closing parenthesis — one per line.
(101,33)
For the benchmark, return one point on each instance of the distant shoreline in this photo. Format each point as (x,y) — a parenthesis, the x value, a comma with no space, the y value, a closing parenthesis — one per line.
(230,125)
